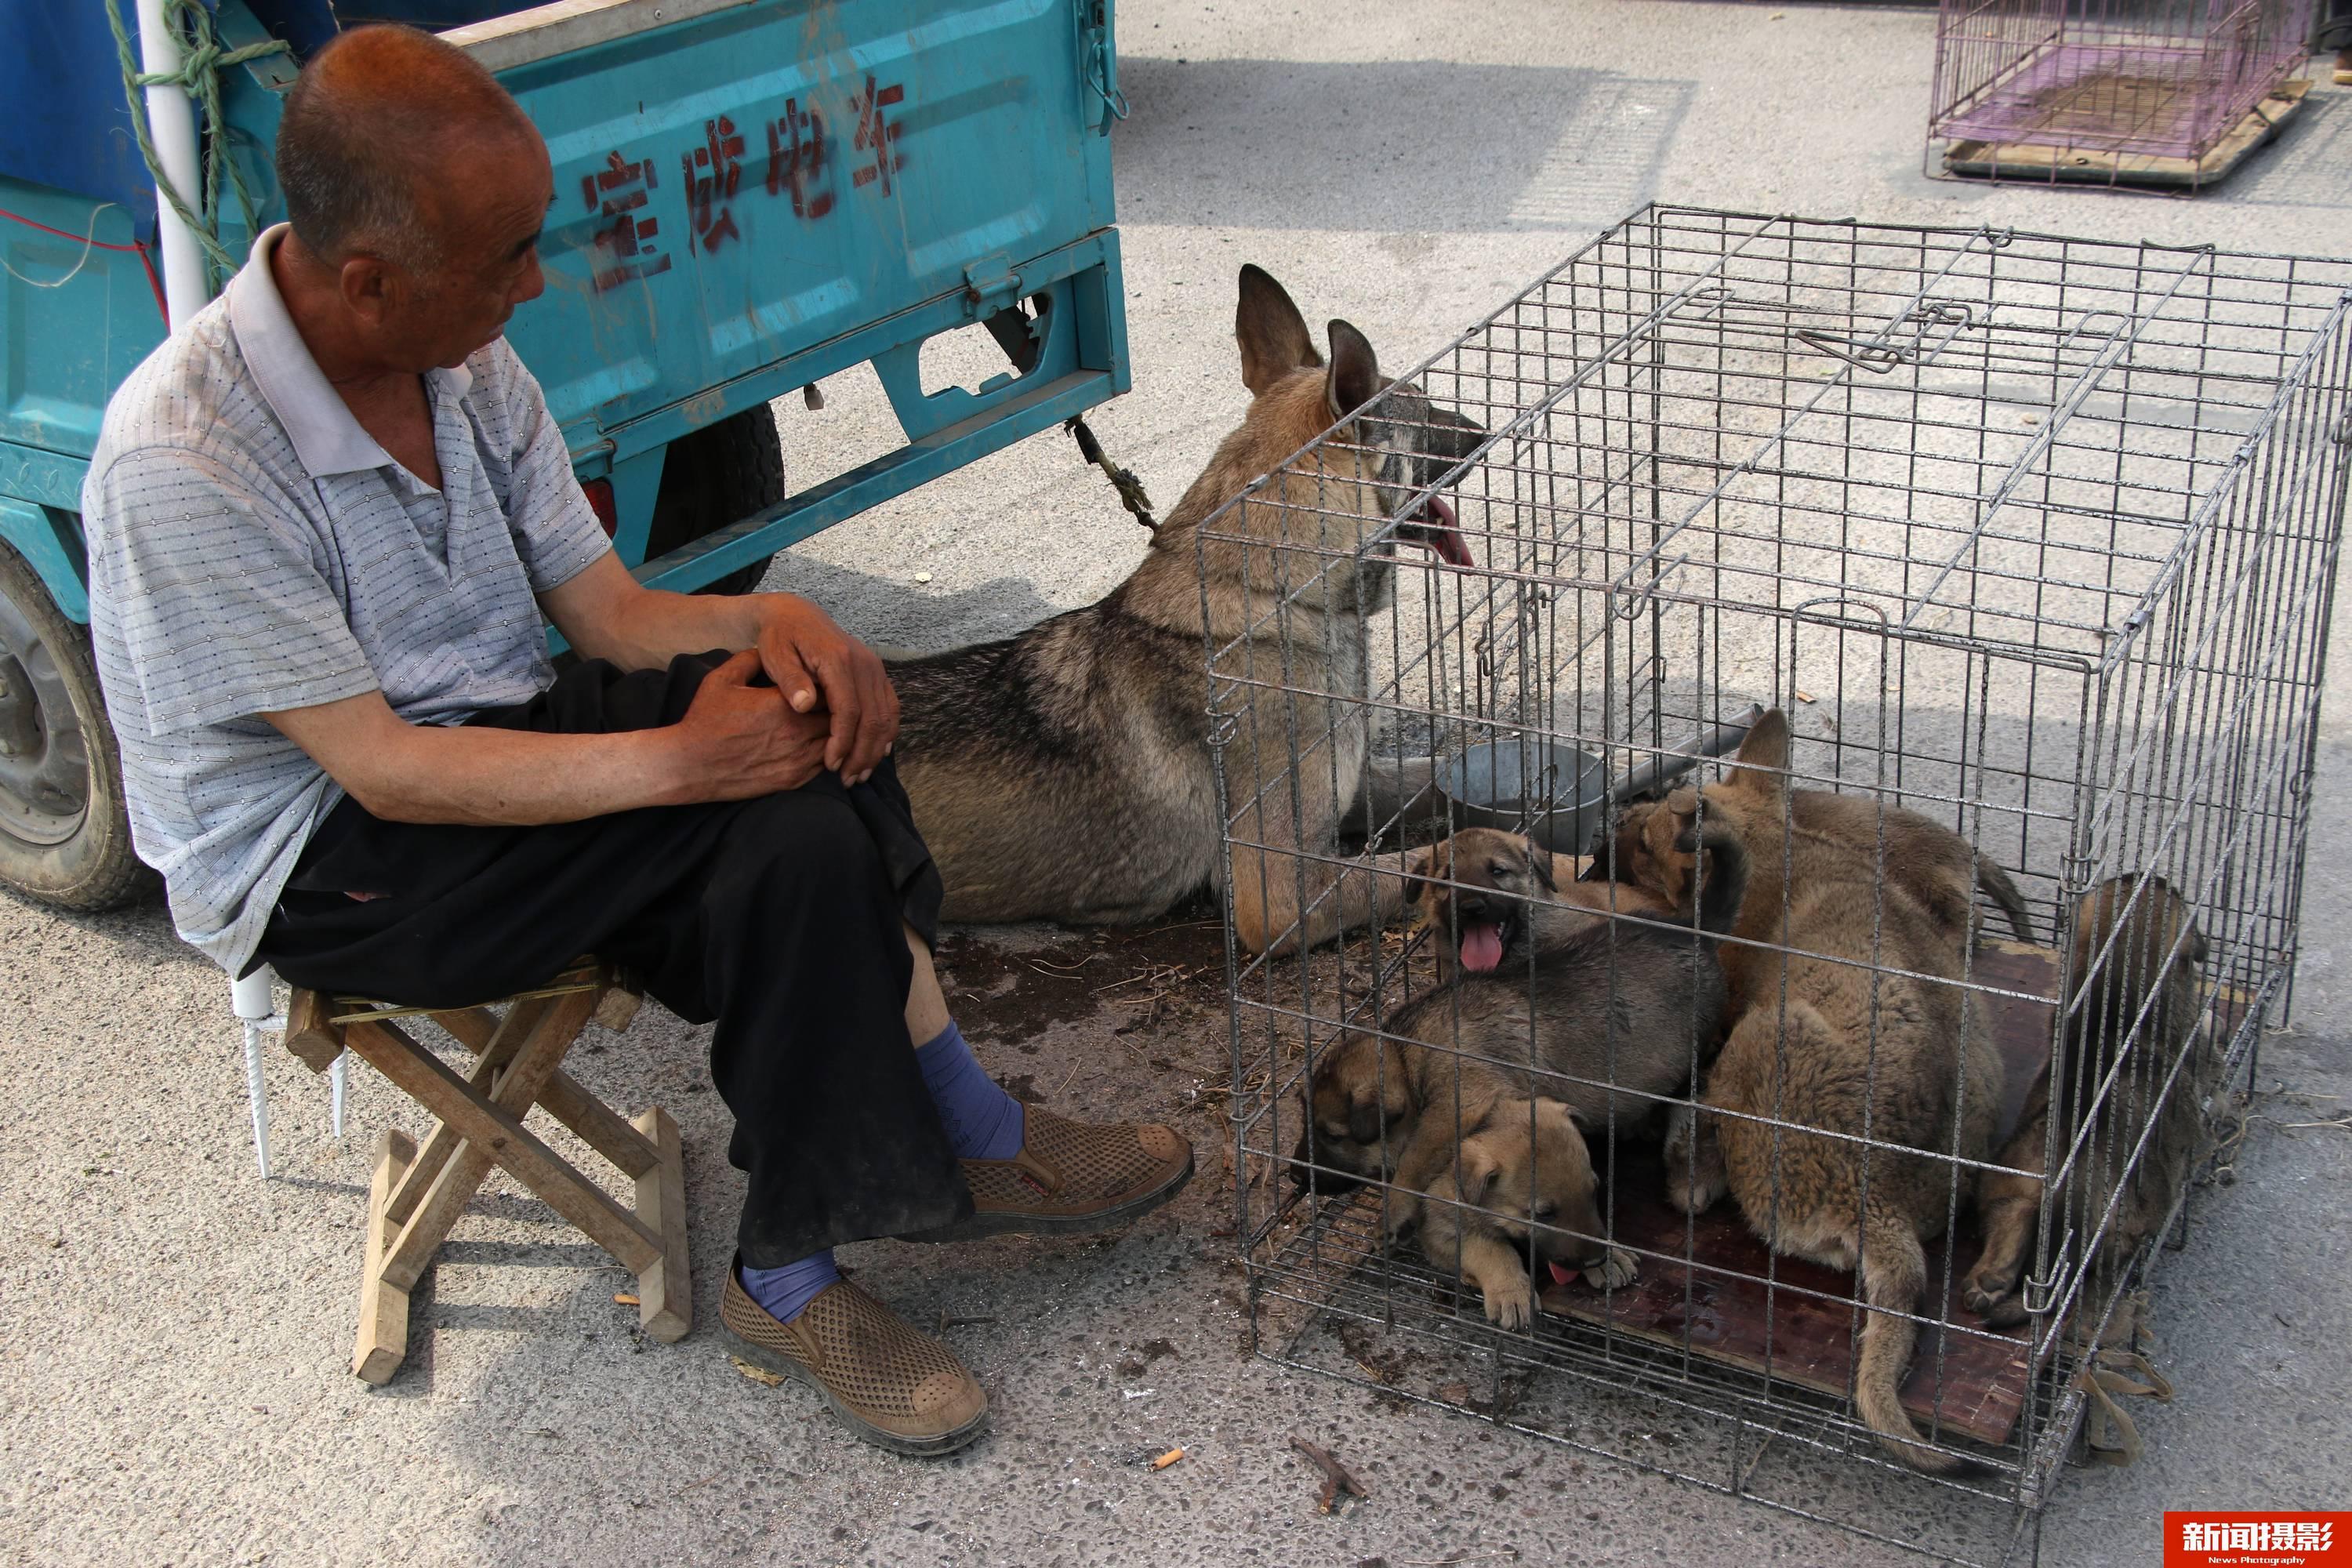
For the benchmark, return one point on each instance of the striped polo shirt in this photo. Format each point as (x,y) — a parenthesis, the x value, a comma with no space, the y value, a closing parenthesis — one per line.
(252,549)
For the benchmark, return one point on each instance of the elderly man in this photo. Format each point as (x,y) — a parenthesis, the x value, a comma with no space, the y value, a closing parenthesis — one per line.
(325,520)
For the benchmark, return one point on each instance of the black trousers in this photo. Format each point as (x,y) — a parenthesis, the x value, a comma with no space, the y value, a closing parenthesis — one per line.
(778,918)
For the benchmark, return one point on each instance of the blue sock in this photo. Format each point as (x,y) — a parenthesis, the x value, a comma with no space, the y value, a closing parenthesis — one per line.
(782,1292)
(984,1123)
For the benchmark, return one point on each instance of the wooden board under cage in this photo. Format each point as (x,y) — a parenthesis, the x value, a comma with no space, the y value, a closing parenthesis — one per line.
(2057,150)
(1964,1379)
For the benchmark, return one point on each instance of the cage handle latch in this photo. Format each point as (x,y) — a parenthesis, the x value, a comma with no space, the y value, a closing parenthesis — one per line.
(2041,1291)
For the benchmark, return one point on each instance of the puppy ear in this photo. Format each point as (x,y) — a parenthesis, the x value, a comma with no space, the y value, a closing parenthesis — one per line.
(1418,887)
(1477,1169)
(1364,1118)
(1763,757)
(1539,863)
(1355,376)
(1273,334)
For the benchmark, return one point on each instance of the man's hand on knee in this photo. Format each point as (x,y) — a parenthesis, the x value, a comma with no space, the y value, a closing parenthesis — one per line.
(741,740)
(819,668)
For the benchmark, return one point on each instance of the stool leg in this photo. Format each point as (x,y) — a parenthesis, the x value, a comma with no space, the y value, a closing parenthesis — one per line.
(257,1098)
(384,1308)
(664,1287)
(338,1082)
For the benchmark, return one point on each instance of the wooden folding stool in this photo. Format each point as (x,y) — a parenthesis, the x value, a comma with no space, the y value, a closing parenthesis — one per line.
(417,1194)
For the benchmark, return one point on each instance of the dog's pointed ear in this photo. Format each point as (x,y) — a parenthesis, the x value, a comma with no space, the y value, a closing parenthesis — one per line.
(1273,334)
(1763,757)
(1355,375)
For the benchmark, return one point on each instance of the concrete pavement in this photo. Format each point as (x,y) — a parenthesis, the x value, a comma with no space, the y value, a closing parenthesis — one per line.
(175,1332)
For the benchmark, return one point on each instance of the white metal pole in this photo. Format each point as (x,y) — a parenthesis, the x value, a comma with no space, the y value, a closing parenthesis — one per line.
(171,122)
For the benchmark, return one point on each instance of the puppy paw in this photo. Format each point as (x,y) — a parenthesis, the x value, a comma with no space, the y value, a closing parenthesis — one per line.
(1689,1196)
(1513,1306)
(1621,1270)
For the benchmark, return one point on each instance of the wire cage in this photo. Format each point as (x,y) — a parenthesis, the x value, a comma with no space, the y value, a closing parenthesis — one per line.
(2163,93)
(2030,543)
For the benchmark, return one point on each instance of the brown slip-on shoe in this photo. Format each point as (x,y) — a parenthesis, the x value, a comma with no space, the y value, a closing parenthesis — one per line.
(897,1388)
(1071,1176)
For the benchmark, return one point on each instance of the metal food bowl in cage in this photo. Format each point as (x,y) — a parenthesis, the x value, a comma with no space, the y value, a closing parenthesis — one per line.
(2031,543)
(1559,797)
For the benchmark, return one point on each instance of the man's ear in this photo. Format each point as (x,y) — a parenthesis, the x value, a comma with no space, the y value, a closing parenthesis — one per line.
(1355,376)
(1763,757)
(1273,334)
(370,291)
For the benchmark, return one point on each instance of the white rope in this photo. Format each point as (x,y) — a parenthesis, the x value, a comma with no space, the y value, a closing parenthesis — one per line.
(89,244)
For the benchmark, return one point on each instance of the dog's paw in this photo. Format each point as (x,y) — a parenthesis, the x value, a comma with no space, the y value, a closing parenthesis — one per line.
(1513,1307)
(1692,1195)
(1995,1301)
(1620,1270)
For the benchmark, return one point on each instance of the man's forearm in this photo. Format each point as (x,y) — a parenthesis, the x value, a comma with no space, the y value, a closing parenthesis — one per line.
(647,630)
(490,777)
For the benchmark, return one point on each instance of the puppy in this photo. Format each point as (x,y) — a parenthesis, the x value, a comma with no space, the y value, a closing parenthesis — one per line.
(1490,897)
(1523,1179)
(1937,869)
(1609,1019)
(2136,964)
(1847,1033)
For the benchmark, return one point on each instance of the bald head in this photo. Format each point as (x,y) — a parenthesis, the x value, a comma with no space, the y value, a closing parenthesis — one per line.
(380,120)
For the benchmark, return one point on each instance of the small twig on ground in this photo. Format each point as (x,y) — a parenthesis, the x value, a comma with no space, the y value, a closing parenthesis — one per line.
(691,1485)
(1336,1479)
(1510,1552)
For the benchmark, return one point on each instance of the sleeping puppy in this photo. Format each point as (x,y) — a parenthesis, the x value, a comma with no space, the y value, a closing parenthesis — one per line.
(1492,898)
(1607,1016)
(1523,1181)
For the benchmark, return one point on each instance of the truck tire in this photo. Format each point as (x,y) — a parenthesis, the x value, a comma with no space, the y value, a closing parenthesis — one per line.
(64,838)
(715,476)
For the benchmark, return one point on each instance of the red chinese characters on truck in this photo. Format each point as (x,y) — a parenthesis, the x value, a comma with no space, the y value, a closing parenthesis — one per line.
(800,155)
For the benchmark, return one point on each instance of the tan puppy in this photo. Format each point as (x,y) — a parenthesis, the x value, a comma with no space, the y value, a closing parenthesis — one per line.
(1491,900)
(1937,869)
(1856,1041)
(1523,1179)
(2136,958)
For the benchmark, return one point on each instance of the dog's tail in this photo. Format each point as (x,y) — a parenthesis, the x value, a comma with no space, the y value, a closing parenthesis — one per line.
(1894,1278)
(1995,882)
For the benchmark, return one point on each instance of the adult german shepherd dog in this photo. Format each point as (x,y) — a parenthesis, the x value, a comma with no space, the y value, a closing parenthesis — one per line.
(1065,774)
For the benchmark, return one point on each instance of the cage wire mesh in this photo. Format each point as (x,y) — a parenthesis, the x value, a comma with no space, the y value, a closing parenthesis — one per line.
(2032,540)
(2161,93)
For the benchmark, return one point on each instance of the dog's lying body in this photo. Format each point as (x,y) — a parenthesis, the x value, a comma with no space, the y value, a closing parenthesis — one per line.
(1607,1017)
(1937,869)
(1859,1047)
(1523,1178)
(1485,896)
(2143,1000)
(1065,774)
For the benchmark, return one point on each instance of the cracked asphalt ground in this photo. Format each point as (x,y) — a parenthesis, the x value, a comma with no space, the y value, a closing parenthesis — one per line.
(175,1332)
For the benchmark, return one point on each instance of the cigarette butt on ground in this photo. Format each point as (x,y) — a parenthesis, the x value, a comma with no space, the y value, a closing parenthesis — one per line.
(624,1298)
(1167,1459)
(1804,697)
